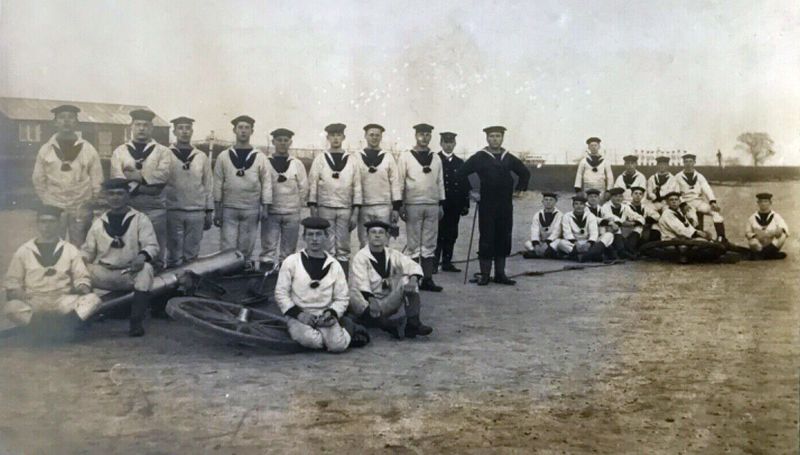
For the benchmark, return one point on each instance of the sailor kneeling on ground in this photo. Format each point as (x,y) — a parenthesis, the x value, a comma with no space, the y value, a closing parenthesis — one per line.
(46,275)
(545,230)
(677,223)
(579,233)
(620,223)
(384,286)
(766,231)
(119,250)
(312,291)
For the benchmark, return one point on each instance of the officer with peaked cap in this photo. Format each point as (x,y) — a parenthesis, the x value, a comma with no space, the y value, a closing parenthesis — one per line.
(422,183)
(495,166)
(380,183)
(279,232)
(594,171)
(630,177)
(190,200)
(335,192)
(147,164)
(456,203)
(242,190)
(766,231)
(67,173)
(312,292)
(120,248)
(46,275)
(697,193)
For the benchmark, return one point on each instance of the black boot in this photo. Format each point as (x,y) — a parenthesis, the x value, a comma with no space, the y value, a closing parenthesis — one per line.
(447,260)
(619,245)
(414,326)
(437,256)
(486,271)
(771,252)
(346,267)
(720,229)
(632,245)
(500,272)
(427,278)
(595,253)
(138,309)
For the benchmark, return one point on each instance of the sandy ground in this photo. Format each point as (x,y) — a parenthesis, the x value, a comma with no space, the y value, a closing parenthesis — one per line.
(634,358)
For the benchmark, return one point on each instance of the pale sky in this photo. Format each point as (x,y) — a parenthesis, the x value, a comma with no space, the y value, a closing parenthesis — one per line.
(671,74)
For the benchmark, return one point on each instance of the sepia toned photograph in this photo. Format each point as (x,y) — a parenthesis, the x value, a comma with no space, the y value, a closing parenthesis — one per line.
(401,227)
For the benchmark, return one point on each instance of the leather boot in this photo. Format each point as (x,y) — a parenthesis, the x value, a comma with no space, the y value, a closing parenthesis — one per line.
(500,272)
(595,253)
(447,260)
(414,326)
(486,271)
(427,279)
(437,256)
(619,245)
(771,252)
(720,229)
(138,309)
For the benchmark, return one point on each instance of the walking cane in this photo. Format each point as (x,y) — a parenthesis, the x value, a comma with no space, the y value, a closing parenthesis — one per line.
(471,236)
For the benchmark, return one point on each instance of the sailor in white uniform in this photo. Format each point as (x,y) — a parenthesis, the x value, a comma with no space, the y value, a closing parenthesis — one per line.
(675,224)
(630,177)
(594,171)
(656,182)
(545,229)
(766,230)
(696,192)
(579,234)
(620,221)
(380,183)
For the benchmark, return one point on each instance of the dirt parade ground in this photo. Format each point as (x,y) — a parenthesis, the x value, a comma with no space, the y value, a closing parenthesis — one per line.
(641,357)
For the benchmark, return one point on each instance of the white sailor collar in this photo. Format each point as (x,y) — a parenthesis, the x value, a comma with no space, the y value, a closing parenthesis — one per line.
(233,149)
(130,213)
(194,150)
(146,145)
(372,257)
(328,258)
(502,154)
(31,245)
(381,152)
(53,142)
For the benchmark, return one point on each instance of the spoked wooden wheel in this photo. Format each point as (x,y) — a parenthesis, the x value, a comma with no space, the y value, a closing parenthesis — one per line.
(683,251)
(234,322)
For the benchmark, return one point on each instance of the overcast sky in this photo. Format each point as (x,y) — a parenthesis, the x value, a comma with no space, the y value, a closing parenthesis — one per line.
(671,74)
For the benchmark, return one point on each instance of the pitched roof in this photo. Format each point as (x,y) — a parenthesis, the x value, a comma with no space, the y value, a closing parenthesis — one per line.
(36,109)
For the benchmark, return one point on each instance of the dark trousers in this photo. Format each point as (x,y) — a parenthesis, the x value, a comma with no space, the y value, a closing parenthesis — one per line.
(448,233)
(495,221)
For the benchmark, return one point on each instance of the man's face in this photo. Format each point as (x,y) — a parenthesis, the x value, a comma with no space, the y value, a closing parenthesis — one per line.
(616,199)
(594,147)
(373,137)
(630,167)
(549,202)
(66,122)
(637,196)
(282,144)
(495,140)
(336,140)
(661,167)
(316,239)
(674,202)
(243,131)
(688,164)
(48,226)
(377,237)
(423,139)
(448,147)
(764,205)
(142,130)
(578,206)
(183,132)
(116,198)
(593,199)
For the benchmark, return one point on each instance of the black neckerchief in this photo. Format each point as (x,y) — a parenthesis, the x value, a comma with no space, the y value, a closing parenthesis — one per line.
(424,158)
(617,211)
(581,223)
(546,218)
(690,179)
(380,264)
(314,268)
(139,152)
(594,161)
(184,155)
(241,161)
(336,161)
(48,255)
(680,216)
(764,219)
(116,227)
(638,209)
(661,179)
(372,158)
(66,151)
(595,210)
(628,179)
(281,164)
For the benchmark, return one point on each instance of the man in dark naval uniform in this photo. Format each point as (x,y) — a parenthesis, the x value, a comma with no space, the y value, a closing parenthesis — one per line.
(494,166)
(456,204)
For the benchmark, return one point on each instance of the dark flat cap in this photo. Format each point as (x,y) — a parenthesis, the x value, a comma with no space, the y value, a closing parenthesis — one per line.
(142,114)
(377,223)
(243,118)
(315,222)
(593,139)
(671,193)
(549,194)
(637,188)
(447,136)
(630,158)
(116,184)
(374,126)
(689,155)
(592,191)
(760,196)
(335,128)
(494,129)
(182,120)
(662,159)
(578,198)
(48,210)
(616,190)
(65,108)
(282,132)
(423,128)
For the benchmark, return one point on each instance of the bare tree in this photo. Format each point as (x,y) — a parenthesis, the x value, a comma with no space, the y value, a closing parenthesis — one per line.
(758,145)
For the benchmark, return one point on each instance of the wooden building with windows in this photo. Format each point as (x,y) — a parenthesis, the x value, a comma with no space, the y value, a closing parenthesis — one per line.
(27,123)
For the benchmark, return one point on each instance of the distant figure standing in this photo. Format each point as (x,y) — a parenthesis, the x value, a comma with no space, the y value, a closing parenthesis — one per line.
(719,158)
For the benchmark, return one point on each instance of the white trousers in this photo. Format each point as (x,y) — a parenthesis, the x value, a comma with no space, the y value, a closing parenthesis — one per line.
(339,218)
(239,230)
(332,339)
(18,313)
(184,234)
(422,229)
(279,233)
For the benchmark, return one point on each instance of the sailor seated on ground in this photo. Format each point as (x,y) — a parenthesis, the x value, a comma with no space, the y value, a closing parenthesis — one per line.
(312,292)
(766,230)
(620,222)
(677,224)
(579,234)
(545,230)
(640,235)
(46,275)
(119,251)
(384,286)
(695,190)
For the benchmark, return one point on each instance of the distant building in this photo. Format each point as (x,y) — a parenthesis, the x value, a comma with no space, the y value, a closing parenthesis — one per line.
(27,123)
